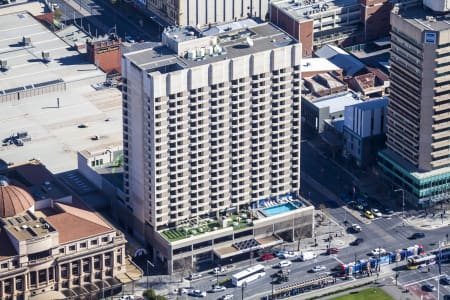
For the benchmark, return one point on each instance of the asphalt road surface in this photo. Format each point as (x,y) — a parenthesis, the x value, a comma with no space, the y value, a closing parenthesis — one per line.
(105,18)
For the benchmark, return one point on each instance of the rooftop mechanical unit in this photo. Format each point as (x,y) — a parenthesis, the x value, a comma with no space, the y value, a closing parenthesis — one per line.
(26,40)
(45,56)
(3,65)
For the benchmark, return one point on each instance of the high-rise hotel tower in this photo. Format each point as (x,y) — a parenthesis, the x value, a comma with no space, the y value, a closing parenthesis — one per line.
(211,139)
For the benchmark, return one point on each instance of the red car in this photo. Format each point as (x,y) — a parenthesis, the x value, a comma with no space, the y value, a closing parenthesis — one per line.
(332,251)
(267,256)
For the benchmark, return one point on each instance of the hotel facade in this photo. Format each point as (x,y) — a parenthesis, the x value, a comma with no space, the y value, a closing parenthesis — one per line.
(212,142)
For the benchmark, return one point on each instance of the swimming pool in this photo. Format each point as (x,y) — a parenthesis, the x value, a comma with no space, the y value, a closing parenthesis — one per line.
(279,209)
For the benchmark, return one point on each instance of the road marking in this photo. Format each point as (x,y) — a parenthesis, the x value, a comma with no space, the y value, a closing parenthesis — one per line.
(419,281)
(340,261)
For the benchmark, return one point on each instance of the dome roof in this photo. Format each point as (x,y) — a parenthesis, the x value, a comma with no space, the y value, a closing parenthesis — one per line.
(13,199)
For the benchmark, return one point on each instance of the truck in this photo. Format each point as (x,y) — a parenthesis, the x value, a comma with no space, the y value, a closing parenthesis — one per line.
(304,256)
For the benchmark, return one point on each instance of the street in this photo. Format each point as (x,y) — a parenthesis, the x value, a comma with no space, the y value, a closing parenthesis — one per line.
(387,232)
(101,17)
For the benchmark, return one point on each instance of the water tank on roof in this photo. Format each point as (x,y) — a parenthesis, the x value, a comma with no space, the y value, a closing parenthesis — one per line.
(217,49)
(191,54)
(202,52)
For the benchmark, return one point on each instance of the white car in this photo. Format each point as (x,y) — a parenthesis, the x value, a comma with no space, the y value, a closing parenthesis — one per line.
(197,293)
(284,263)
(195,276)
(318,268)
(127,297)
(376,212)
(219,270)
(218,288)
(279,253)
(185,290)
(227,297)
(288,254)
(378,251)
(356,227)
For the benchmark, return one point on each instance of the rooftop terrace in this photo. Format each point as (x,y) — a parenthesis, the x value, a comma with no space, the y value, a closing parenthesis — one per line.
(244,219)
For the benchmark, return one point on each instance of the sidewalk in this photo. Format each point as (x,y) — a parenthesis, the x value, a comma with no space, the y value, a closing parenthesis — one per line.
(320,242)
(320,293)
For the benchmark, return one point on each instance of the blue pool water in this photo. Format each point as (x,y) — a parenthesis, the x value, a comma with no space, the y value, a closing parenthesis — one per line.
(279,209)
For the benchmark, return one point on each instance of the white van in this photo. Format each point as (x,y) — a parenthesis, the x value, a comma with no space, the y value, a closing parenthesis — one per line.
(307,256)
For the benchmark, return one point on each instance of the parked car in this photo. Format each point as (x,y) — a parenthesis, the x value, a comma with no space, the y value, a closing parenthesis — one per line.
(218,288)
(332,251)
(428,287)
(127,297)
(417,235)
(357,242)
(197,293)
(219,270)
(279,253)
(369,214)
(284,263)
(355,205)
(288,254)
(267,256)
(318,268)
(445,280)
(227,297)
(388,211)
(376,212)
(356,227)
(195,276)
(185,290)
(378,251)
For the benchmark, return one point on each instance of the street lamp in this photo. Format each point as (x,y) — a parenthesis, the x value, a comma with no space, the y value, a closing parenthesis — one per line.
(147,264)
(403,201)
(244,285)
(272,288)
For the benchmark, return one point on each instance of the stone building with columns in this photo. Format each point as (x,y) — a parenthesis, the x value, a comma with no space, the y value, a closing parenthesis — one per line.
(51,245)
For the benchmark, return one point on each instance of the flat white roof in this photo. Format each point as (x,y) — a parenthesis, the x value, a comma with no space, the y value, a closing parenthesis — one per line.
(317,64)
(25,63)
(337,102)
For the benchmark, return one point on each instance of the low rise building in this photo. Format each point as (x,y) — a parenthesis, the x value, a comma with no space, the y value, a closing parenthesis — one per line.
(365,130)
(372,84)
(52,245)
(343,22)
(316,110)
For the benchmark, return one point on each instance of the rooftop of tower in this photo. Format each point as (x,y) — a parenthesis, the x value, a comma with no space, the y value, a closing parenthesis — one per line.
(425,19)
(186,47)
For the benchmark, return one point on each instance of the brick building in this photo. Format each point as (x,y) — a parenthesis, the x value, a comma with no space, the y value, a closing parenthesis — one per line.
(105,53)
(343,22)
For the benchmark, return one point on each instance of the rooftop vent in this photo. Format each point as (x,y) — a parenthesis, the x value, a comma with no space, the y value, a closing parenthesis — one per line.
(45,56)
(26,40)
(4,65)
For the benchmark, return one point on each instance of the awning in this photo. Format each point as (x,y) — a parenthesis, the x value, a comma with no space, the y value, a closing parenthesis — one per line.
(261,243)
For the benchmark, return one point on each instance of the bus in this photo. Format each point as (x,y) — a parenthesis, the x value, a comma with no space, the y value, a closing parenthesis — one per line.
(248,275)
(418,261)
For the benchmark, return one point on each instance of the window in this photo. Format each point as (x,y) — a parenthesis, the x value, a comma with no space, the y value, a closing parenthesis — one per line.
(83,245)
(4,266)
(72,248)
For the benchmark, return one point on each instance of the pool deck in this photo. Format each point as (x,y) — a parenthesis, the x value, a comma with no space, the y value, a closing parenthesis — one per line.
(293,203)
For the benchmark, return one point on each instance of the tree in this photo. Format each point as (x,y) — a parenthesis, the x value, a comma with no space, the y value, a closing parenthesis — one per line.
(57,14)
(149,294)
